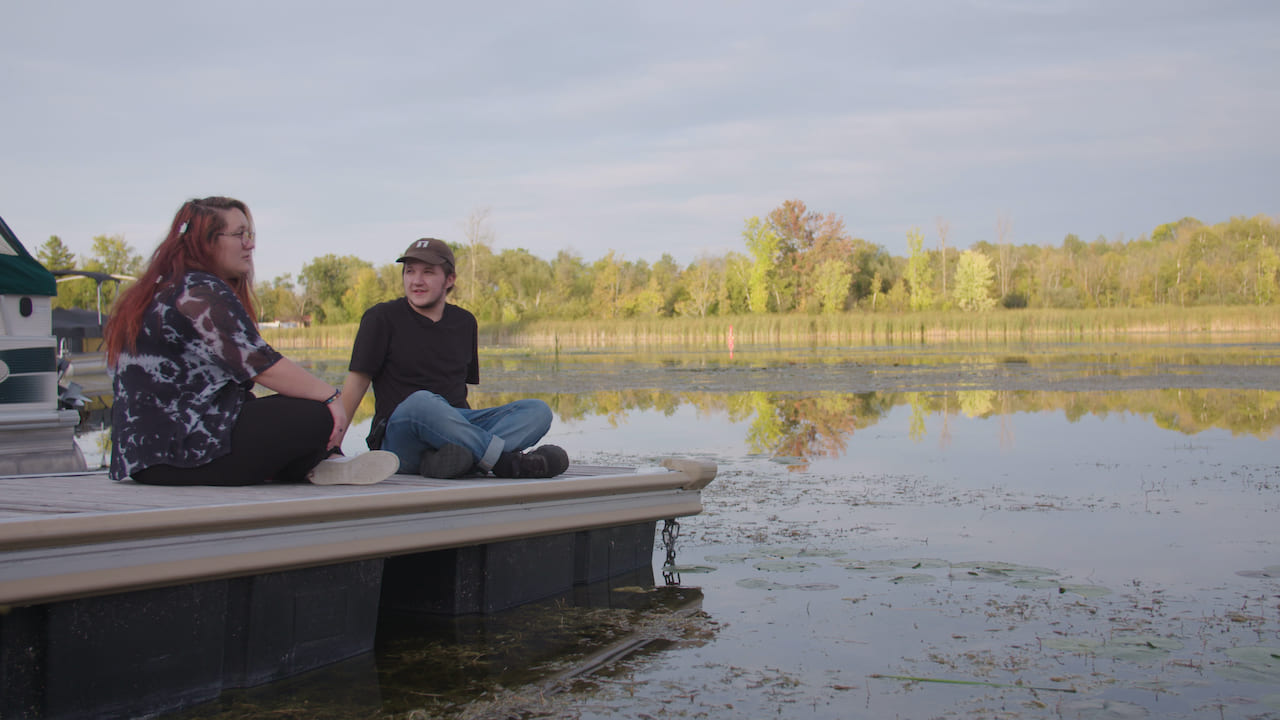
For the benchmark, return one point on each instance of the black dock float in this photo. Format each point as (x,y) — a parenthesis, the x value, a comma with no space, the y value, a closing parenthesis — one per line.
(119,600)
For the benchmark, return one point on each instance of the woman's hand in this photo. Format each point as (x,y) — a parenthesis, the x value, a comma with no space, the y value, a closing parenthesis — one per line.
(339,425)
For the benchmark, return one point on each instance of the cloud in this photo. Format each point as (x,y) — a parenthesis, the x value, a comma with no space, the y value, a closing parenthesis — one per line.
(647,129)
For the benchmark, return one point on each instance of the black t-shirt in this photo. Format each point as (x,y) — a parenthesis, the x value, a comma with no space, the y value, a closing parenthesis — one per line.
(405,352)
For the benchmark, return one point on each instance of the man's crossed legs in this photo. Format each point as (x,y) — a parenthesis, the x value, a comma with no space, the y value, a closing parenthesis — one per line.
(433,438)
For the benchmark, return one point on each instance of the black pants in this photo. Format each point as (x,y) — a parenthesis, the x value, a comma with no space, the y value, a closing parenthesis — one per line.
(275,439)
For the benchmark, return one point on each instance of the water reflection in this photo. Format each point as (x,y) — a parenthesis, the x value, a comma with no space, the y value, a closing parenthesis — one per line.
(801,427)
(807,426)
(429,666)
(805,403)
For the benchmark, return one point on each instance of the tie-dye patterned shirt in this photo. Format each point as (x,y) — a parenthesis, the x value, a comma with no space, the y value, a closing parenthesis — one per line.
(179,393)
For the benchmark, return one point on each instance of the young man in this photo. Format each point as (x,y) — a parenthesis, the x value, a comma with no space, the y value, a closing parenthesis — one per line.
(419,353)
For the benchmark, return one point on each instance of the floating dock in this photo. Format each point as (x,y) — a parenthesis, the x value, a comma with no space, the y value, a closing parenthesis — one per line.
(120,599)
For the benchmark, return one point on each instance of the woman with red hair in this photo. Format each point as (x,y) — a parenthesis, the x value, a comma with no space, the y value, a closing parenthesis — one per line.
(185,352)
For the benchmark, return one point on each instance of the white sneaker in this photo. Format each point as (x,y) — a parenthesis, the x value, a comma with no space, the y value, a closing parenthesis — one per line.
(363,469)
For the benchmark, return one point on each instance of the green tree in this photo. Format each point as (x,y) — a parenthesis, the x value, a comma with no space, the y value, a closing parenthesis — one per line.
(919,272)
(664,278)
(54,255)
(874,271)
(764,244)
(648,301)
(734,294)
(524,286)
(116,255)
(571,286)
(1268,276)
(877,288)
(973,282)
(897,299)
(326,280)
(831,284)
(366,291)
(108,254)
(278,300)
(703,283)
(606,286)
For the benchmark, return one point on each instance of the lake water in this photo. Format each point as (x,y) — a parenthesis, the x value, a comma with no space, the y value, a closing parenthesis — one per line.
(967,546)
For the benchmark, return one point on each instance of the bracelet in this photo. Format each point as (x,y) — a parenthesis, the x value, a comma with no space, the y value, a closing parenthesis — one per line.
(336,394)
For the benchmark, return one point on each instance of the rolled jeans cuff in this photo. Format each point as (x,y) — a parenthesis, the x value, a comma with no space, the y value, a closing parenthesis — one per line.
(492,452)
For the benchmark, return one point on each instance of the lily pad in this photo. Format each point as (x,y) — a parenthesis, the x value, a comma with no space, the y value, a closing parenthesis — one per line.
(784,566)
(1086,591)
(1256,664)
(865,565)
(775,551)
(1038,584)
(989,570)
(911,579)
(919,563)
(1100,709)
(977,575)
(730,557)
(1071,644)
(811,587)
(1138,648)
(1270,571)
(820,552)
(760,584)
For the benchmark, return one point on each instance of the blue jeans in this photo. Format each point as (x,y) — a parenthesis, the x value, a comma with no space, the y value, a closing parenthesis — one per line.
(424,421)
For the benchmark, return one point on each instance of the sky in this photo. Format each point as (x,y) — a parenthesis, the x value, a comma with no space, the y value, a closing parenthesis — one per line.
(645,129)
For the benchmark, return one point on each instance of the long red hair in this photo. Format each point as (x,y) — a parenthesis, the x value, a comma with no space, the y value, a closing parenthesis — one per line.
(189,246)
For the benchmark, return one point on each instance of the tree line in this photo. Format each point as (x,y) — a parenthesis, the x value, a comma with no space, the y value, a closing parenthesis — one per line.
(793,260)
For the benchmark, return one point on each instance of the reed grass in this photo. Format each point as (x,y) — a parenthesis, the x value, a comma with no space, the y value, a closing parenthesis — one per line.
(850,329)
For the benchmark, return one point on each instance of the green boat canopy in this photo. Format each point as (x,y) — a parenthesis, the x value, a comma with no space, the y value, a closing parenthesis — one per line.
(21,274)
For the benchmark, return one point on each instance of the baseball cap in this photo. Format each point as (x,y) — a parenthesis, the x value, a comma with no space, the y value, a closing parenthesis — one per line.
(429,250)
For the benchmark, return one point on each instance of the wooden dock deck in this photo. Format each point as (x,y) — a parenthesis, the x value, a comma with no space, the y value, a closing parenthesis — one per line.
(74,536)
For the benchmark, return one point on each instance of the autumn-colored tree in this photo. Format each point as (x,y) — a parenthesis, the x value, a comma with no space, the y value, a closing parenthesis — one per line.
(809,240)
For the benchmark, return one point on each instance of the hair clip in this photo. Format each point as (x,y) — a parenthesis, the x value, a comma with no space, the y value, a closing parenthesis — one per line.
(182,229)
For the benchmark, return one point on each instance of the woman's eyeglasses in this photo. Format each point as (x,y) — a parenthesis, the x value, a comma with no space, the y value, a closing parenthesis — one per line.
(243,236)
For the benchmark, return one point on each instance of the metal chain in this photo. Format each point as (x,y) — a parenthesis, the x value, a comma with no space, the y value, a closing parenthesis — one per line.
(670,531)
